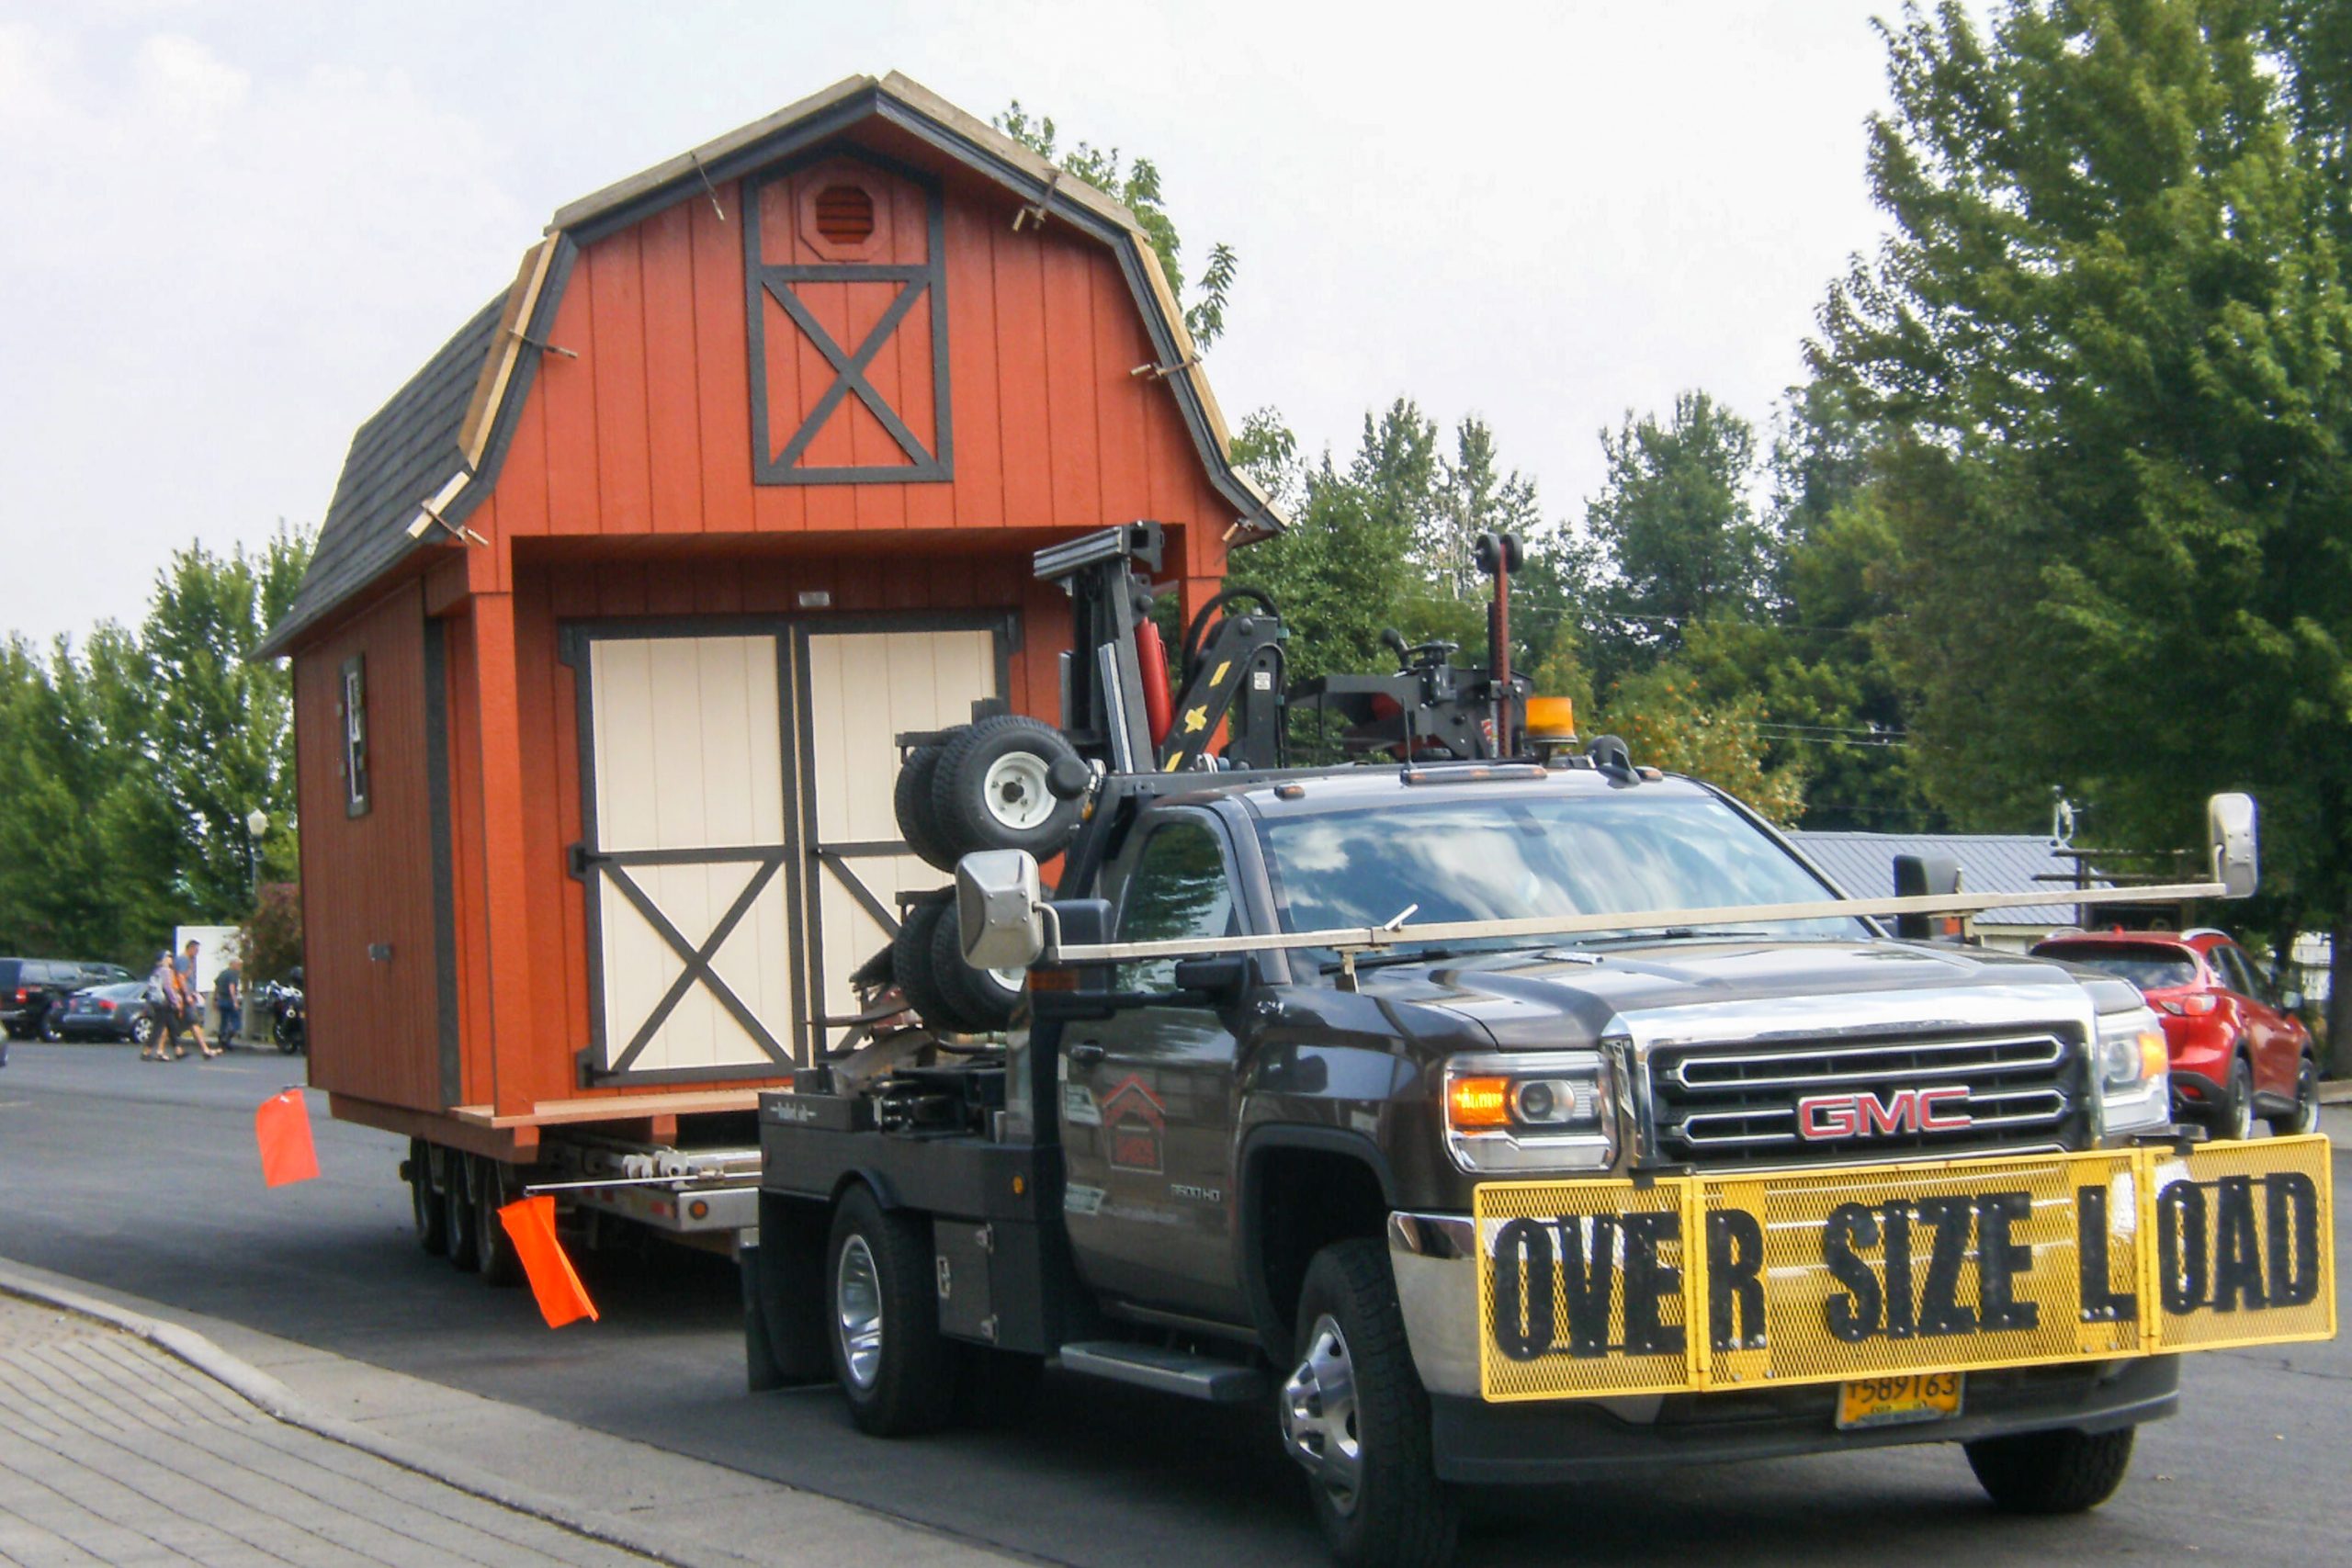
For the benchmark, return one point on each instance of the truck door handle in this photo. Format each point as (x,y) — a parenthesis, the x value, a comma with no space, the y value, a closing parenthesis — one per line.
(1085,1054)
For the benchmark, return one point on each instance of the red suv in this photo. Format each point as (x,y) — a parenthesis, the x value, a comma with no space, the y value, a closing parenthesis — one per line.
(2238,1051)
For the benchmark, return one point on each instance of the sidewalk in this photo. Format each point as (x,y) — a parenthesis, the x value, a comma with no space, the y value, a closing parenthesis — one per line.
(162,1436)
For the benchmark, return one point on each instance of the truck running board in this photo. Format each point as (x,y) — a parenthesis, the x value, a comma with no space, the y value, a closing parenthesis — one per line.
(1170,1372)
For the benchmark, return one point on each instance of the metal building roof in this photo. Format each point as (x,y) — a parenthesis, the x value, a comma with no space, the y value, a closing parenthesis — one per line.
(1863,865)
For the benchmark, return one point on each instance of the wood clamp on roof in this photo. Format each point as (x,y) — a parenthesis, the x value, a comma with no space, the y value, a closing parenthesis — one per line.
(519,335)
(1162,372)
(1035,212)
(709,189)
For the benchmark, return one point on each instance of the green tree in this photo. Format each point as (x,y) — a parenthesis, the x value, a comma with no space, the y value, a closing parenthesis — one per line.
(1135,184)
(2107,340)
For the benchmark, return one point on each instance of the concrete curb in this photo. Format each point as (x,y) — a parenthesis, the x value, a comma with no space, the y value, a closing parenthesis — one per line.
(273,1398)
(2335,1091)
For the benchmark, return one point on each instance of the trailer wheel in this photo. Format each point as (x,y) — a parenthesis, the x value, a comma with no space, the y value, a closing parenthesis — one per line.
(457,1211)
(991,791)
(2051,1473)
(1354,1412)
(911,967)
(910,797)
(981,999)
(494,1255)
(884,1318)
(432,1223)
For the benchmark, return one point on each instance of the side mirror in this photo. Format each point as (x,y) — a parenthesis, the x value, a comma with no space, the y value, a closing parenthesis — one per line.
(1923,876)
(2228,824)
(1221,977)
(998,909)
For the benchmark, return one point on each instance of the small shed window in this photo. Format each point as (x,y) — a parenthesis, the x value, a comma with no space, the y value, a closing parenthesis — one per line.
(846,214)
(355,735)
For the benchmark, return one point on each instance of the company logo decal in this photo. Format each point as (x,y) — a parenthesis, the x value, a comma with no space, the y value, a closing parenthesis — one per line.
(1133,1122)
(1862,1114)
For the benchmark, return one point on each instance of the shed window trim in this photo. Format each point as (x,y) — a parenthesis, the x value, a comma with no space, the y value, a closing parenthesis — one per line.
(353,706)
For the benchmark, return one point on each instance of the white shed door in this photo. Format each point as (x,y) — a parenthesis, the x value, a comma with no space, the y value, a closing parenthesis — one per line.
(866,688)
(686,856)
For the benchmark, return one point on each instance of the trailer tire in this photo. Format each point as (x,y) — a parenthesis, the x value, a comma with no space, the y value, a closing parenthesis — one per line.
(882,1315)
(995,1388)
(432,1223)
(1355,1414)
(457,1211)
(979,1000)
(991,790)
(2051,1473)
(911,967)
(910,798)
(496,1257)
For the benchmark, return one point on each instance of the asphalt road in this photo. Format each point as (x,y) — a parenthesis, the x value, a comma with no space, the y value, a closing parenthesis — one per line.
(143,1178)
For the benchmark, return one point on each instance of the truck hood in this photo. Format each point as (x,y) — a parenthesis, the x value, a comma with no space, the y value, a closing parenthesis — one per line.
(1523,999)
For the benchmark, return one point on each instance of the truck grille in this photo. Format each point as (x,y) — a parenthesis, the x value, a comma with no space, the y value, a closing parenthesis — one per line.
(1737,1104)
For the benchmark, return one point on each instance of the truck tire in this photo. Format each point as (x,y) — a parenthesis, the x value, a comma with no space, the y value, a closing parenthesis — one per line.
(911,967)
(910,797)
(431,1225)
(991,791)
(457,1211)
(1353,1412)
(979,1000)
(495,1258)
(995,1388)
(2051,1473)
(883,1314)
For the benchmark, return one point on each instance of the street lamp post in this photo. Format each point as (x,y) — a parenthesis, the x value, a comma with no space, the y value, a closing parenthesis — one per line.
(257,824)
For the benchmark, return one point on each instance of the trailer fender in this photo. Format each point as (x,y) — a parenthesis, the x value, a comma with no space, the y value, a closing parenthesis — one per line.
(884,1193)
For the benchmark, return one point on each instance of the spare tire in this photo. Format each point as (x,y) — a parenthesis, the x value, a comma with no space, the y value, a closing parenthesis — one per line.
(912,797)
(981,999)
(991,790)
(911,967)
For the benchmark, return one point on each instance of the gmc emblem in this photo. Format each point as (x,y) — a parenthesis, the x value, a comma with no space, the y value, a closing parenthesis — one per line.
(1862,1114)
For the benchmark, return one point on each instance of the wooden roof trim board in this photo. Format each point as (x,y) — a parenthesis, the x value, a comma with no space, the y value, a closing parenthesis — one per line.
(376,529)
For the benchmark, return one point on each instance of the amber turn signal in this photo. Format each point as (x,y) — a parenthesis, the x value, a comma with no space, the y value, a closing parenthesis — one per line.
(1478,1103)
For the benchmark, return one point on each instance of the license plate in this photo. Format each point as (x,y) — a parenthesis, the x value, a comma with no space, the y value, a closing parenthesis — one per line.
(1893,1401)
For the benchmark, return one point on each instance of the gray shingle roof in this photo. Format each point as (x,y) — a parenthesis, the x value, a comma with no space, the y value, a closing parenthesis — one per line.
(1863,865)
(398,458)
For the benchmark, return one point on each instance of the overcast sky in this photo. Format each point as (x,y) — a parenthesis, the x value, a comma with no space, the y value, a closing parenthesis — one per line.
(229,232)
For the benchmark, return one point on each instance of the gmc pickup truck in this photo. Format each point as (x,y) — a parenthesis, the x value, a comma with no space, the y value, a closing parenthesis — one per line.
(1500,1123)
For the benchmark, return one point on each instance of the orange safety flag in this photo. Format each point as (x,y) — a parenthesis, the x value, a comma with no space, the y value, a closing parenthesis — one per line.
(563,1298)
(282,1128)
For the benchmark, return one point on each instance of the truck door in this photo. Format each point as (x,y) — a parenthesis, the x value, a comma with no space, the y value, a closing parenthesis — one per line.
(1148,1094)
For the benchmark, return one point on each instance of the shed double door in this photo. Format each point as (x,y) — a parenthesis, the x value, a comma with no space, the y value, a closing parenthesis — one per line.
(741,851)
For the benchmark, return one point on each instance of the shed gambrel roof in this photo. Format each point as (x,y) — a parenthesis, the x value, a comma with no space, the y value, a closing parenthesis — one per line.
(1862,865)
(442,437)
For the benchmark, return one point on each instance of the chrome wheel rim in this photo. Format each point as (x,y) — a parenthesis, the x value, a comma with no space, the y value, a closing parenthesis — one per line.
(1319,1413)
(858,1312)
(2242,1108)
(1015,790)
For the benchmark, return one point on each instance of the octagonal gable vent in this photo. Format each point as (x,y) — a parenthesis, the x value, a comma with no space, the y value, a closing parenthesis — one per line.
(846,214)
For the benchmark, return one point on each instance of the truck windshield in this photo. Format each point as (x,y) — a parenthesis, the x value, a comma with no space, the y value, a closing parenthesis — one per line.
(1503,858)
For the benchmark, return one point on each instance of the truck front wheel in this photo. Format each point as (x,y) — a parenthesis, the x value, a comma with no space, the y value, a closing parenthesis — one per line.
(887,1353)
(1353,1412)
(2051,1473)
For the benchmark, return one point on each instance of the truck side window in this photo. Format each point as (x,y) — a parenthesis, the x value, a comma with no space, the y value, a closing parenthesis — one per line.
(1179,888)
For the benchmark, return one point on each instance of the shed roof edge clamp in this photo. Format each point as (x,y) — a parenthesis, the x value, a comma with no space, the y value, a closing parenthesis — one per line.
(709,189)
(432,512)
(527,341)
(1038,211)
(1163,372)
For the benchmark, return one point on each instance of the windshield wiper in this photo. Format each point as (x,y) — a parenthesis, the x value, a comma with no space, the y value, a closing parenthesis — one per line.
(1399,956)
(1676,933)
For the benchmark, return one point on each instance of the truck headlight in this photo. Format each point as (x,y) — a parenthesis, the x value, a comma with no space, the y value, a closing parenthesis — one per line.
(2134,1080)
(1530,1110)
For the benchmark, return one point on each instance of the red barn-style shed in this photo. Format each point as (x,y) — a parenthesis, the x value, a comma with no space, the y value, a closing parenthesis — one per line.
(621,600)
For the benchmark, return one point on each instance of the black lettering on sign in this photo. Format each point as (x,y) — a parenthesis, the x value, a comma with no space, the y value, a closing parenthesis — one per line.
(1525,1278)
(1941,1309)
(2099,1304)
(1896,1220)
(2237,1249)
(1854,1317)
(1591,1282)
(2291,1232)
(1648,1282)
(1735,1280)
(2000,1261)
(2181,1246)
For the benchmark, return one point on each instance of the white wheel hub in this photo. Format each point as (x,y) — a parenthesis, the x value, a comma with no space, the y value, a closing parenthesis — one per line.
(1015,791)
(1319,1414)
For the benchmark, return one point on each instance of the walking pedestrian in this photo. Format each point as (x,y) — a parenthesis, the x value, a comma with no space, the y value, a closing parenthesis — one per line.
(191,1000)
(162,998)
(228,995)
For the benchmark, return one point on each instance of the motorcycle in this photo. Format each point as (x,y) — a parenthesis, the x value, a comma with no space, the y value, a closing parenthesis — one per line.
(287,1022)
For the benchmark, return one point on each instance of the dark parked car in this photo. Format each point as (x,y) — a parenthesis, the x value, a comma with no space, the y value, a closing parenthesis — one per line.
(33,990)
(120,1012)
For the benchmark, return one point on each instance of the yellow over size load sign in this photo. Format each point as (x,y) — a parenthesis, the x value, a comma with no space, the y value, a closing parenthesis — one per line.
(1808,1276)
